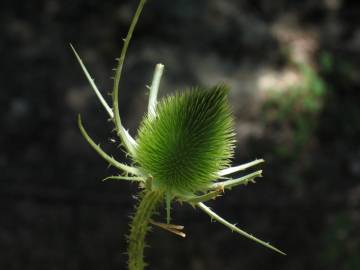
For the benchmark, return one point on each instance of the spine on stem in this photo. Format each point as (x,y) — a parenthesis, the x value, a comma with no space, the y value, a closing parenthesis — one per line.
(139,227)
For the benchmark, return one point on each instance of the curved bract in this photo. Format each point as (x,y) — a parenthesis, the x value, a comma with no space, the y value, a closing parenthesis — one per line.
(189,140)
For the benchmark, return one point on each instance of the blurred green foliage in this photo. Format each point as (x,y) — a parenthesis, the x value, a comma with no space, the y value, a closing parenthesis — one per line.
(293,115)
(341,243)
(295,109)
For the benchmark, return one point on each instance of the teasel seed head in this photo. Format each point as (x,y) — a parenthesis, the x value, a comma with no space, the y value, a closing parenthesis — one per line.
(189,140)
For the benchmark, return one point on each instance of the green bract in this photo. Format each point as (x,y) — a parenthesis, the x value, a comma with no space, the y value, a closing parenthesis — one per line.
(188,141)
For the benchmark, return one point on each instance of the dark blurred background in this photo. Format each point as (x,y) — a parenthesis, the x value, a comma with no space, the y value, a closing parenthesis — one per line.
(293,67)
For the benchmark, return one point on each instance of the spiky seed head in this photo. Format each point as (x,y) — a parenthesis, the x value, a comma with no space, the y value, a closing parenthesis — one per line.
(188,142)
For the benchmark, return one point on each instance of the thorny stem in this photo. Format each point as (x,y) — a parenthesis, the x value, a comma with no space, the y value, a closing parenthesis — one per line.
(139,227)
(115,93)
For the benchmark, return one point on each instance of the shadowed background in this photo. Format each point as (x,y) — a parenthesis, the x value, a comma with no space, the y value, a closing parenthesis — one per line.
(293,67)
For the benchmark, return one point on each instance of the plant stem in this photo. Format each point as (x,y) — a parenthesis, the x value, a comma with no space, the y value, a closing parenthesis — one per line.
(139,227)
(115,94)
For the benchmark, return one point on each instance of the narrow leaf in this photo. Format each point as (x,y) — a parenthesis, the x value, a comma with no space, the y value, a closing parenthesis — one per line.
(154,89)
(205,197)
(92,83)
(241,167)
(129,178)
(232,227)
(236,182)
(104,155)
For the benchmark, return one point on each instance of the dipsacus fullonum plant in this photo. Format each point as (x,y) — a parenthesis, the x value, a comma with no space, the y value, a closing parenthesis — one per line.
(182,152)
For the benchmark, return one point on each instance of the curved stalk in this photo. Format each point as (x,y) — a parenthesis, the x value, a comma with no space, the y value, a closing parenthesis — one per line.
(111,160)
(139,227)
(115,93)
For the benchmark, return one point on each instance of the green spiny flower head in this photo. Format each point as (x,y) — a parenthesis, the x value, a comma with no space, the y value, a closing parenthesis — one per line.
(189,140)
(183,145)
